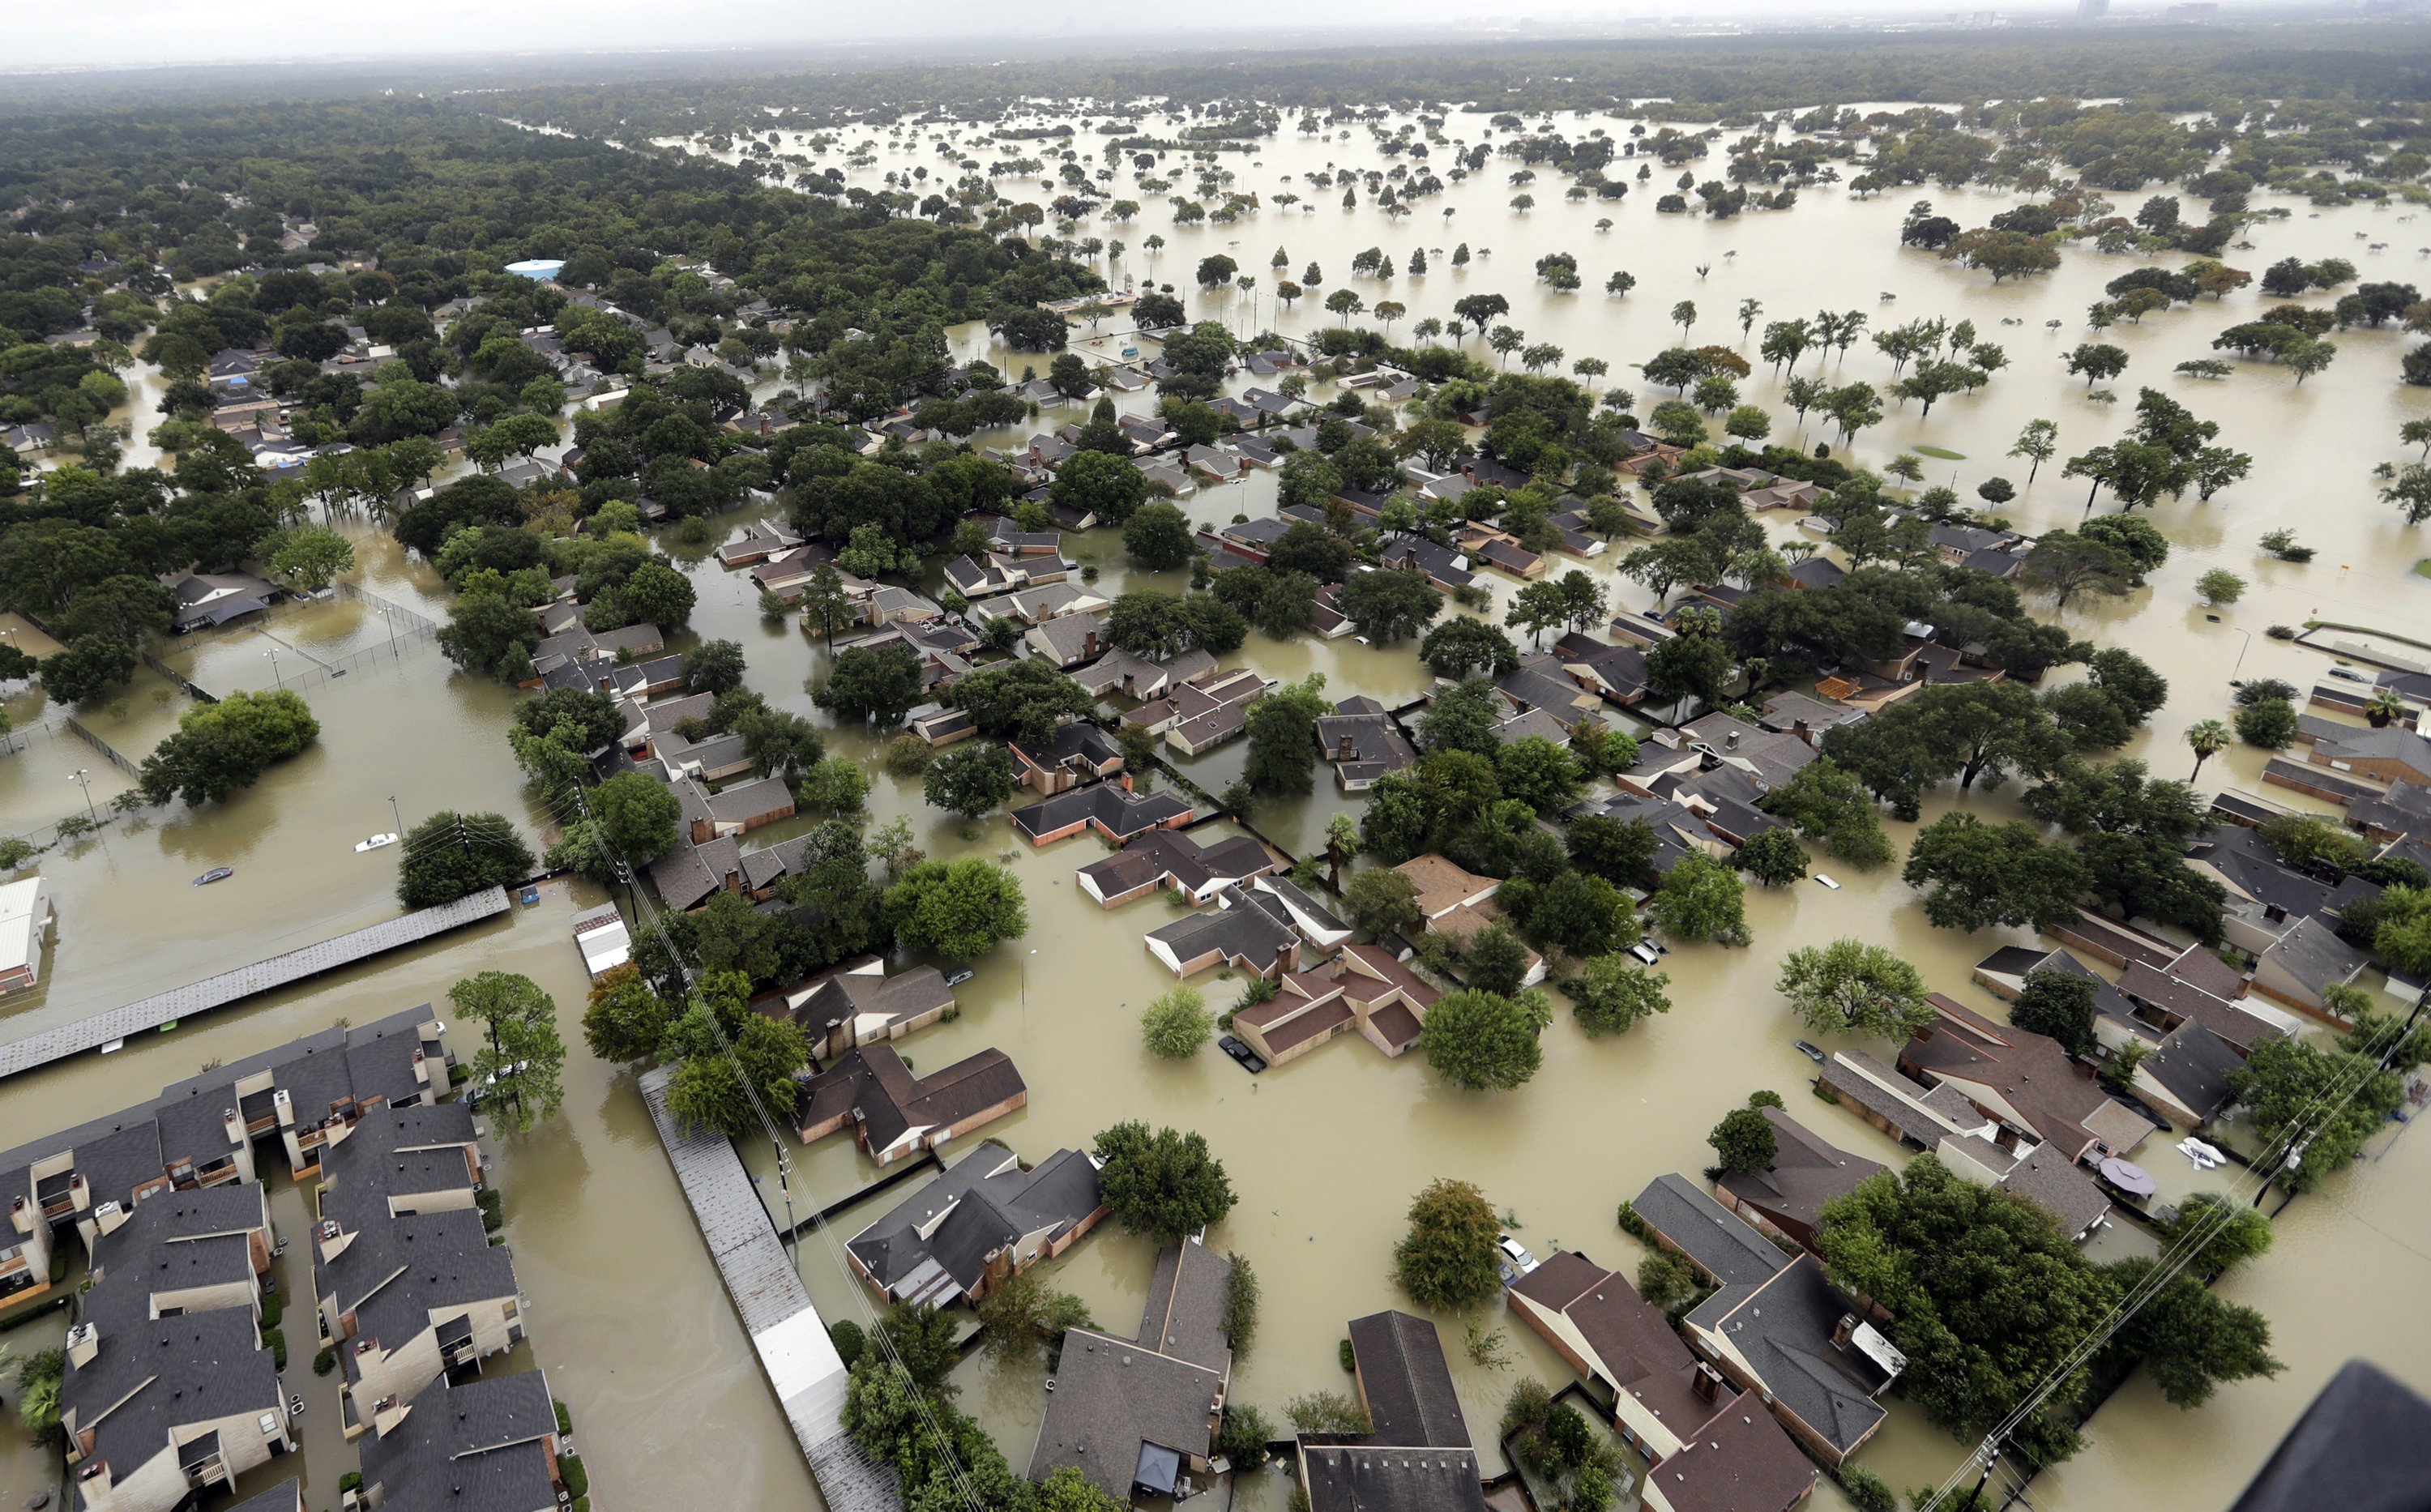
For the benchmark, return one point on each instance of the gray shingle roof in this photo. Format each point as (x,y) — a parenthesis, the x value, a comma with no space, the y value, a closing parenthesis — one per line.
(1708,1232)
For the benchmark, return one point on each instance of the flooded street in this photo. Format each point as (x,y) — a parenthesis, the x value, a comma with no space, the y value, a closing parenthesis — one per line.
(1325,1154)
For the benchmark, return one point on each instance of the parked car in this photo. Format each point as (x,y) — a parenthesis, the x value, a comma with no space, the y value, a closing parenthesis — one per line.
(1512,1258)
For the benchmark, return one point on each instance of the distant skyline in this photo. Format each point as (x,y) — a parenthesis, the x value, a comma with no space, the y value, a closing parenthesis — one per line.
(149,33)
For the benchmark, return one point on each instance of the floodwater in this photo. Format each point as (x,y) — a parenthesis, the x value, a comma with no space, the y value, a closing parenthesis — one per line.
(1326,1153)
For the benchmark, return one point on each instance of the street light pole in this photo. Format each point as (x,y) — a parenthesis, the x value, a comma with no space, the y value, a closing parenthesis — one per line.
(272,654)
(82,777)
(396,814)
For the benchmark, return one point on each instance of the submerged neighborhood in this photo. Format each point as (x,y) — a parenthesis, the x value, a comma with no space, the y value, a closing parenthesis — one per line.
(840,735)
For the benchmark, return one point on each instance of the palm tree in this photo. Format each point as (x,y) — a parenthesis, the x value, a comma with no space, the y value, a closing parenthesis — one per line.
(2209,739)
(1341,844)
(2383,708)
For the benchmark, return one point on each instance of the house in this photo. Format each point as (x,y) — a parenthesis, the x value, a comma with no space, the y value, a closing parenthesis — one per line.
(858,1003)
(1196,717)
(1363,744)
(2301,968)
(1067,641)
(2025,1082)
(407,1284)
(1034,606)
(1721,1249)
(744,808)
(1795,714)
(488,1443)
(983,1219)
(1077,752)
(25,916)
(1363,990)
(1906,1109)
(787,573)
(1616,674)
(168,1389)
(1440,565)
(1806,1351)
(2394,754)
(1172,860)
(940,726)
(206,600)
(1785,1200)
(2038,1173)
(1010,539)
(1249,929)
(1417,1456)
(1457,903)
(756,545)
(1138,1416)
(1111,810)
(1501,551)
(1140,677)
(1673,1408)
(893,1115)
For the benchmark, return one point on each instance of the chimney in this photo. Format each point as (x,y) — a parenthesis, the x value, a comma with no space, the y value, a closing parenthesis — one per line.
(286,1106)
(1730,742)
(1345,749)
(21,1215)
(1706,1383)
(1805,734)
(1089,644)
(84,1345)
(109,1217)
(234,1124)
(1842,1330)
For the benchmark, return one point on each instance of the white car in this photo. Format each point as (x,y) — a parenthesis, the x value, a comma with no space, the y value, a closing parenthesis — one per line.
(1513,1259)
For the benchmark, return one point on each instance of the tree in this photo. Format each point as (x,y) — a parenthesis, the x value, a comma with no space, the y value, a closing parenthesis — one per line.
(307,555)
(1833,809)
(2207,738)
(1176,1023)
(956,909)
(1482,1040)
(877,684)
(625,1020)
(714,667)
(1094,482)
(2227,1232)
(1018,1314)
(1495,961)
(2096,360)
(1744,1141)
(2221,587)
(1461,646)
(2411,490)
(2065,564)
(1849,986)
(1700,899)
(1447,1258)
(518,1072)
(1974,875)
(2271,724)
(1165,1185)
(219,747)
(1157,537)
(1022,700)
(2060,1004)
(1689,667)
(1611,993)
(2296,1090)
(824,604)
(450,854)
(1389,605)
(1773,858)
(491,634)
(970,780)
(1383,903)
(1282,736)
(636,815)
(2189,1340)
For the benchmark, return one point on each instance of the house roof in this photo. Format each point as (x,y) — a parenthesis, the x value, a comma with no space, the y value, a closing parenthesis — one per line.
(1241,931)
(484,1446)
(2030,1072)
(1443,885)
(1178,856)
(1352,1474)
(1114,1396)
(1184,1316)
(1806,1172)
(1783,1329)
(1741,1461)
(1106,804)
(2054,1183)
(872,1084)
(1635,1347)
(1408,1386)
(1706,1232)
(982,1204)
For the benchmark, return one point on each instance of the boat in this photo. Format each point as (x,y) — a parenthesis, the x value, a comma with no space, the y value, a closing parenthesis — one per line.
(215,874)
(375,841)
(1810,1051)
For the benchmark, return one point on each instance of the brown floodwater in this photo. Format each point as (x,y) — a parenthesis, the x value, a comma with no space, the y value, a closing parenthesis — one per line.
(1326,1153)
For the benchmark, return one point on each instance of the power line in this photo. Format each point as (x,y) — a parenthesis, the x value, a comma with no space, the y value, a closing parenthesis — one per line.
(2284,1152)
(653,919)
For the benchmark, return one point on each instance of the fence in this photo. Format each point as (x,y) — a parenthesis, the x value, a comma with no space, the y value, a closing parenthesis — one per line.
(107,751)
(193,690)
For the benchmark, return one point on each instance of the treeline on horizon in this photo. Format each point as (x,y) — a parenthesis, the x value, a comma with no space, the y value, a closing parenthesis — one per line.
(2373,65)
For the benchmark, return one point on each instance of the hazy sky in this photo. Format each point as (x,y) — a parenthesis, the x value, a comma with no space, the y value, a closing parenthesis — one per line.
(107,32)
